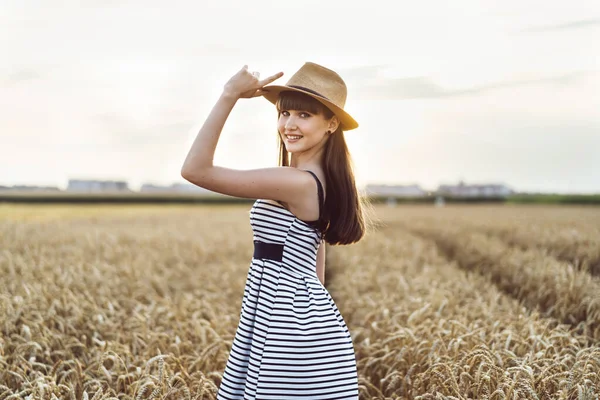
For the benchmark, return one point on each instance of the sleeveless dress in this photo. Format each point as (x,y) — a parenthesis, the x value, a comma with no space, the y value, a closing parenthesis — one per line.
(291,341)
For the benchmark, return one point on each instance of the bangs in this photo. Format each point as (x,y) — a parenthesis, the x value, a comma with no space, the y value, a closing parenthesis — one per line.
(289,100)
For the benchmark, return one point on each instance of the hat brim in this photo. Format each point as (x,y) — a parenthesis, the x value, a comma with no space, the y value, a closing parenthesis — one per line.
(271,93)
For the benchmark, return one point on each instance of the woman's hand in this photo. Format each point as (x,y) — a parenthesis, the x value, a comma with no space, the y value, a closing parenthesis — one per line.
(246,85)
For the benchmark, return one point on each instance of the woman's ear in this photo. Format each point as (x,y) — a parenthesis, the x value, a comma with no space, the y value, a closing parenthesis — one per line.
(334,123)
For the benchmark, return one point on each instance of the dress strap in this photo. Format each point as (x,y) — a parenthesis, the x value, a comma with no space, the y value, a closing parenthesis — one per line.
(320,191)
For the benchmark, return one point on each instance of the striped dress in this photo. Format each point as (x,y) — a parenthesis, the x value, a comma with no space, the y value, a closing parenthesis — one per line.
(291,341)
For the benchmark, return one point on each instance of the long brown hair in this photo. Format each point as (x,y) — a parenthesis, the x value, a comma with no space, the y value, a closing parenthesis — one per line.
(344,219)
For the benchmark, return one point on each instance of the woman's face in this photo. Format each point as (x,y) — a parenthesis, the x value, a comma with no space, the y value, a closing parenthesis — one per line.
(301,130)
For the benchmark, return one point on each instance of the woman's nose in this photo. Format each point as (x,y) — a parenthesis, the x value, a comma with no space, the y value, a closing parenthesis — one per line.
(290,125)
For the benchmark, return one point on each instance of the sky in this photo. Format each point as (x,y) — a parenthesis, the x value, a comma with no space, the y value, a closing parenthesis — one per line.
(476,90)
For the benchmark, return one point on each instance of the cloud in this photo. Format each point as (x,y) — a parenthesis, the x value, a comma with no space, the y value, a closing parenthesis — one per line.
(19,76)
(367,82)
(119,129)
(362,72)
(586,23)
(516,149)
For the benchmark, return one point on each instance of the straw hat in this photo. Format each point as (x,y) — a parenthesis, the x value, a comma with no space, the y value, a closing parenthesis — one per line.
(322,84)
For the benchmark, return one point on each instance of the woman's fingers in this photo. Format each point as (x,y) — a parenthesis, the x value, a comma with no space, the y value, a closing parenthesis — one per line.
(270,79)
(250,87)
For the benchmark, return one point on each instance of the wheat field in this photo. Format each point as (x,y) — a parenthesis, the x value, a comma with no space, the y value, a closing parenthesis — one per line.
(455,302)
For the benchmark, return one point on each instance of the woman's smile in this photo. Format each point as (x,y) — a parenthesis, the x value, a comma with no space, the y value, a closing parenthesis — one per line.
(293,138)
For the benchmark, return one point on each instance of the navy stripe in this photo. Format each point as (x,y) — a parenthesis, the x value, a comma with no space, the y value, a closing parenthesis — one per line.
(271,251)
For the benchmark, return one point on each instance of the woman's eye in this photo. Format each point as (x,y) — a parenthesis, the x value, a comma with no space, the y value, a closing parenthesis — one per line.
(302,114)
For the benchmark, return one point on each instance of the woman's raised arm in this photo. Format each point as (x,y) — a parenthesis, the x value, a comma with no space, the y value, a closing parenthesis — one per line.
(285,184)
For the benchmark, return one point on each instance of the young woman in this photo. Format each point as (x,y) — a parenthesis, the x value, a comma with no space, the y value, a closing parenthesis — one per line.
(291,341)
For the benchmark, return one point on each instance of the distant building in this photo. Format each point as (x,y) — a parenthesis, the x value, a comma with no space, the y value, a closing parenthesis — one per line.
(27,188)
(478,190)
(150,188)
(395,191)
(96,186)
(174,188)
